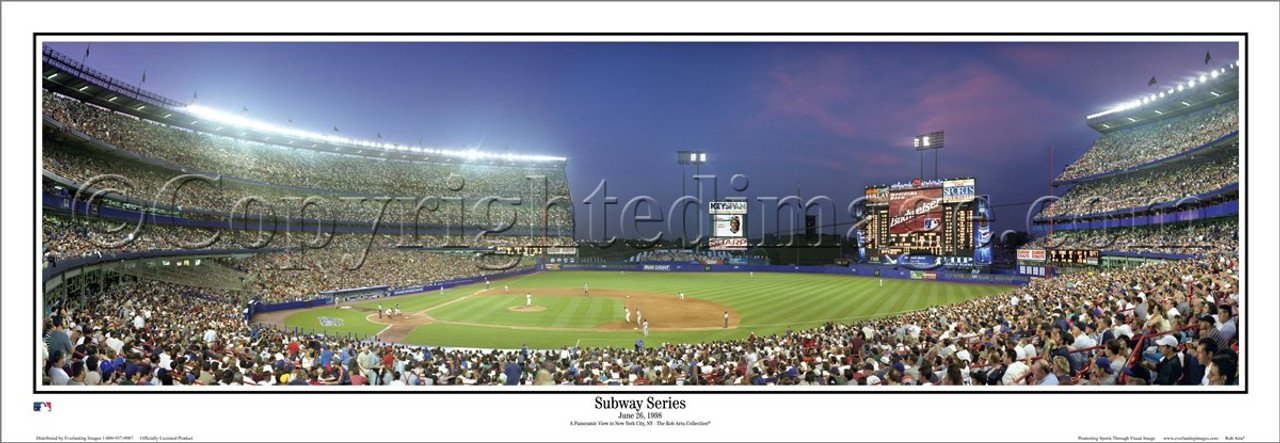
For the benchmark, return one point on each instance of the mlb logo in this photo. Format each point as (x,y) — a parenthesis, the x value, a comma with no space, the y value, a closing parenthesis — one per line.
(43,406)
(931,224)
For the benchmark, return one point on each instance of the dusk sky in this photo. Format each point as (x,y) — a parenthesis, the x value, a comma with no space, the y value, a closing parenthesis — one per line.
(834,116)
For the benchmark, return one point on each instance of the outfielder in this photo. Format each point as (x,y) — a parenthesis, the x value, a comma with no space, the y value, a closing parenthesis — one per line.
(528,299)
(584,290)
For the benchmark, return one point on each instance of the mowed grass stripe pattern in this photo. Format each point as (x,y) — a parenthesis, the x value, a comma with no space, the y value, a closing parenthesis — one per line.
(768,303)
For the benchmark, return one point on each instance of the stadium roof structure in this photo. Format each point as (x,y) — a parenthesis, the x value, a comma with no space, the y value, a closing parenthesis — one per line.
(71,78)
(1203,90)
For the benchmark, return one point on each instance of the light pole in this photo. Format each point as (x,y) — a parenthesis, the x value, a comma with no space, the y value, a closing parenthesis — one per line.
(684,159)
(932,141)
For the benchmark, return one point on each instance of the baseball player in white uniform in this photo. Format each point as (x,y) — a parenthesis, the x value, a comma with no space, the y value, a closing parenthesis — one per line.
(528,299)
(646,328)
(682,296)
(627,313)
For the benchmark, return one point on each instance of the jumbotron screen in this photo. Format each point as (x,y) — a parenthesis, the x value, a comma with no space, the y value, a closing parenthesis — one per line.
(915,210)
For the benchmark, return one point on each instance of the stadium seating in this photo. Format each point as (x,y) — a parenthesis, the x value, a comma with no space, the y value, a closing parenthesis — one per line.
(1133,147)
(302,172)
(1139,189)
(1180,238)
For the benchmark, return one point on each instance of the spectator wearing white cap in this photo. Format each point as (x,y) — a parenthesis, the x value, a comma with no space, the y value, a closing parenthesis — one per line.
(1169,368)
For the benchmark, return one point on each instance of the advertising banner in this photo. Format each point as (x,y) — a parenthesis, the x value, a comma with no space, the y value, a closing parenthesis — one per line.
(957,191)
(728,243)
(916,261)
(738,208)
(917,275)
(877,196)
(982,232)
(929,275)
(1031,254)
(915,210)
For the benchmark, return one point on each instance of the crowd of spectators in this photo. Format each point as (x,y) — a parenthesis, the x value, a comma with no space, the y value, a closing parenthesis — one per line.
(64,237)
(292,276)
(1082,329)
(1133,147)
(1144,188)
(1180,238)
(327,175)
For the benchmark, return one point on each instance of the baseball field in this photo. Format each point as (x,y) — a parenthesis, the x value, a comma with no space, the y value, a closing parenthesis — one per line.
(766,303)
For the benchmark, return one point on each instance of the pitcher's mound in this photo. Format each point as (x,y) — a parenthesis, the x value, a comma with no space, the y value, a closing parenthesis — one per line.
(527,308)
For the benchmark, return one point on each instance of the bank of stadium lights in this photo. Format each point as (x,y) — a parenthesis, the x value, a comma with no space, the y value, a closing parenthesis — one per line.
(1181,87)
(246,123)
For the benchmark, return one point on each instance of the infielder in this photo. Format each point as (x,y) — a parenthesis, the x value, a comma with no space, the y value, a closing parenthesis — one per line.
(397,309)
(627,312)
(528,299)
(726,319)
(639,316)
(506,289)
(646,328)
(682,296)
(584,290)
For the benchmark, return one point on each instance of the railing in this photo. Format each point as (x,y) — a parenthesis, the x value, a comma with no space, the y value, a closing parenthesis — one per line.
(1138,348)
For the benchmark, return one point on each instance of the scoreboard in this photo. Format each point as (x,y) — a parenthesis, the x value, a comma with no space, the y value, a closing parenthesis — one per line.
(920,218)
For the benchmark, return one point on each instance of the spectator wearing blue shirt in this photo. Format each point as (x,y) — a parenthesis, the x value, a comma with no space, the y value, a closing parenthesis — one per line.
(325,356)
(512,370)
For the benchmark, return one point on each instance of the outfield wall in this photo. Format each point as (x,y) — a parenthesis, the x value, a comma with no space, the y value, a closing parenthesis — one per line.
(854,270)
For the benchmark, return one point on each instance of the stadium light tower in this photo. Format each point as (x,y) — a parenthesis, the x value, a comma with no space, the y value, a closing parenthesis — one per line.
(684,159)
(932,141)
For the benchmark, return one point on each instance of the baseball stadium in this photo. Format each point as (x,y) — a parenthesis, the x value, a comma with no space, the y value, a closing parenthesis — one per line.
(212,241)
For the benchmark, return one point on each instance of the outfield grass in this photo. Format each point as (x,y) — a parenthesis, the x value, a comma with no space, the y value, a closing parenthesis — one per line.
(767,303)
(353,321)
